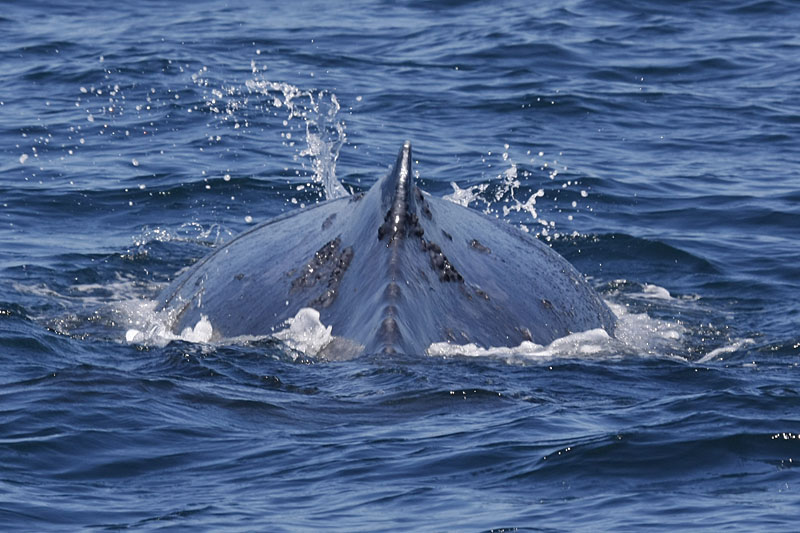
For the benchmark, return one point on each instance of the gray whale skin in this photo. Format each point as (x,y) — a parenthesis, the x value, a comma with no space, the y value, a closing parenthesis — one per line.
(392,270)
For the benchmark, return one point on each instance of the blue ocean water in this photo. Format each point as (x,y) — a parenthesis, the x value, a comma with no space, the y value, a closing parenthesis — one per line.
(653,144)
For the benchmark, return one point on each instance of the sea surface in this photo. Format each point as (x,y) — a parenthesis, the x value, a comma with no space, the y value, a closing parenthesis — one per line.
(653,144)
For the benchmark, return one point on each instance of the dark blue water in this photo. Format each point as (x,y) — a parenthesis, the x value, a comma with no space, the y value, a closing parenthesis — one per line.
(136,136)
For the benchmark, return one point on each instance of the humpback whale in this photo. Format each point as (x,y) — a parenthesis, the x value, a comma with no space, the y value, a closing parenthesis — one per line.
(392,270)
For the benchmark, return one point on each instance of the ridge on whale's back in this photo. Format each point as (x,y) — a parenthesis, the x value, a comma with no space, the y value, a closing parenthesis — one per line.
(391,270)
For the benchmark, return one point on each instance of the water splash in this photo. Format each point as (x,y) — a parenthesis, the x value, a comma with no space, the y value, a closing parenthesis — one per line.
(324,138)
(310,113)
(194,232)
(510,191)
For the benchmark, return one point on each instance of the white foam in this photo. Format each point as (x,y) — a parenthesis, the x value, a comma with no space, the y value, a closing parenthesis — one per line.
(654,291)
(585,343)
(735,346)
(150,327)
(635,334)
(305,332)
(201,332)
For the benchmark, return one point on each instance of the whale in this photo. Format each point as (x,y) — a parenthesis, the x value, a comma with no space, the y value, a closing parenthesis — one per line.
(390,271)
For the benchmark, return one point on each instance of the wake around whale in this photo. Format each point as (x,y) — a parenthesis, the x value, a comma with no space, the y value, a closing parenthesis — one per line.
(391,270)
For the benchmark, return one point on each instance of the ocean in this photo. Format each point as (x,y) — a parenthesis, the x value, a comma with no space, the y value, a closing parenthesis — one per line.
(652,144)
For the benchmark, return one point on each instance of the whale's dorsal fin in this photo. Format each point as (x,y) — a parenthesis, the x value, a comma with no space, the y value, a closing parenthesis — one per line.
(397,197)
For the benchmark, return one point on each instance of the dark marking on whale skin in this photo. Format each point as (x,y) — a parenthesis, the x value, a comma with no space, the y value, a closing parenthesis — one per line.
(427,211)
(326,267)
(436,272)
(474,243)
(416,228)
(423,205)
(312,273)
(386,227)
(328,222)
(443,268)
(525,332)
(481,293)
